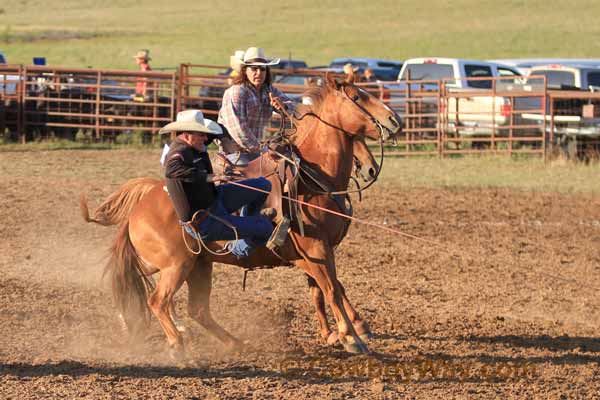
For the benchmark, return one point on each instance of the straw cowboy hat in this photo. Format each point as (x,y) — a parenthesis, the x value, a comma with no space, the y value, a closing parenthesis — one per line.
(144,54)
(236,60)
(349,68)
(256,56)
(192,121)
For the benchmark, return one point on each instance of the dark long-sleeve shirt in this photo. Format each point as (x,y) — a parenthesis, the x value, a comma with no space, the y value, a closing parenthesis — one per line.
(186,171)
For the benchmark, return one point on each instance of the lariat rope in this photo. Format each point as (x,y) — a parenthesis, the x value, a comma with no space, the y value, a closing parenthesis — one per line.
(199,240)
(327,210)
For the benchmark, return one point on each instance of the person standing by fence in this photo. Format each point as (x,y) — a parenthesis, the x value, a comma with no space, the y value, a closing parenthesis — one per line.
(142,59)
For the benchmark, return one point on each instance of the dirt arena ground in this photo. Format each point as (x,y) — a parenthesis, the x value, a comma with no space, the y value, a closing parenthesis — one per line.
(509,307)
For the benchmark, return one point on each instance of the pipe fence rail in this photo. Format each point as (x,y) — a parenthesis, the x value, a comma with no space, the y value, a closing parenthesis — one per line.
(508,115)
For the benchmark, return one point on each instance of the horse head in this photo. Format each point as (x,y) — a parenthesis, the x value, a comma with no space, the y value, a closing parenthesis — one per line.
(361,113)
(365,165)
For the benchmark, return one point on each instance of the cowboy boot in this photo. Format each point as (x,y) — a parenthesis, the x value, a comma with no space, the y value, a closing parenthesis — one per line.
(279,234)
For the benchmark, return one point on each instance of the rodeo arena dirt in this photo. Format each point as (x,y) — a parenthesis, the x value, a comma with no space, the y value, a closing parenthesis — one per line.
(469,293)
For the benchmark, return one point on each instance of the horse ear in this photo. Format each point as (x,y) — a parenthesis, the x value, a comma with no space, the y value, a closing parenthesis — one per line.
(331,82)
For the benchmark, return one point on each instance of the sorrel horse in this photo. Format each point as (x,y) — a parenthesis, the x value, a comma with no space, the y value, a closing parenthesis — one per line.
(151,240)
(365,167)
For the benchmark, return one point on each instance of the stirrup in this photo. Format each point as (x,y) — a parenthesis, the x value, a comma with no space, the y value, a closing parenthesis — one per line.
(279,234)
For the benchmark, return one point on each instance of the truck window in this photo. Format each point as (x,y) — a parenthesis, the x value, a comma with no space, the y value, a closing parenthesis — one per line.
(594,79)
(507,72)
(2,59)
(428,71)
(557,79)
(478,71)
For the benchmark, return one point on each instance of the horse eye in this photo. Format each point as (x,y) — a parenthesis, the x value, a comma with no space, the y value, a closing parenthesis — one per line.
(356,97)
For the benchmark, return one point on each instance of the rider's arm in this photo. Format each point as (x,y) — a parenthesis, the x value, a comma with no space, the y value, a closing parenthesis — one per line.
(179,166)
(234,116)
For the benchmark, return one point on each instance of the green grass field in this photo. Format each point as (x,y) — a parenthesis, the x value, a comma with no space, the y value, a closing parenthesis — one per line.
(471,171)
(81,33)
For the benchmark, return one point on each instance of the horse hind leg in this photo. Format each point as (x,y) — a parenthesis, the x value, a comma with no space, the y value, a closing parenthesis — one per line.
(199,287)
(160,302)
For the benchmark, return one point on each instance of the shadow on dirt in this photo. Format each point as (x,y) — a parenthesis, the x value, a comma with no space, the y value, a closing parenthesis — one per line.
(559,343)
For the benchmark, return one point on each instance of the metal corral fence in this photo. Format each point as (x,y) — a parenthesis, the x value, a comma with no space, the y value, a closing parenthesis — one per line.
(499,115)
(572,123)
(95,104)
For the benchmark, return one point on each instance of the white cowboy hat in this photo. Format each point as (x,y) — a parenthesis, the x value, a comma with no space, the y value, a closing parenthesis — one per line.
(256,56)
(192,121)
(236,60)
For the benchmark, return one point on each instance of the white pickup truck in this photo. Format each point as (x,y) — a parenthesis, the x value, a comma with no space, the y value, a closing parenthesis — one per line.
(575,105)
(471,110)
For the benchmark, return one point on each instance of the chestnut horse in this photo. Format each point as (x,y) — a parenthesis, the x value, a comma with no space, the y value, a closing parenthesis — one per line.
(151,239)
(365,167)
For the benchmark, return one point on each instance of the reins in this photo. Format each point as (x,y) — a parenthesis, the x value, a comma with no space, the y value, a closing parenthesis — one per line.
(303,168)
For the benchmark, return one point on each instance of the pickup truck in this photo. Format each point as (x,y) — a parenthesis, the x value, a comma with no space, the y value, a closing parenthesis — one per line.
(470,109)
(575,105)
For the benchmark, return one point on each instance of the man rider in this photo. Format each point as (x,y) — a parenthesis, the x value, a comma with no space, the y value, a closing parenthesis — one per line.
(195,197)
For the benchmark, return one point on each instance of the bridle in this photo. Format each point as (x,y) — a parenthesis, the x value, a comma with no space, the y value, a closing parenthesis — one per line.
(282,135)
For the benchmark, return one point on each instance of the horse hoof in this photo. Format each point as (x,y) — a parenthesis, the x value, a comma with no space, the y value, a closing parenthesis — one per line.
(355,348)
(332,339)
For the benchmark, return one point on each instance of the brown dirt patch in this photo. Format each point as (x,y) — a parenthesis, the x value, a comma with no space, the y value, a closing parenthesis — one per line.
(507,307)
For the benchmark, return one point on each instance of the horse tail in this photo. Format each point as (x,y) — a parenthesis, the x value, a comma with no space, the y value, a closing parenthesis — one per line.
(117,207)
(130,286)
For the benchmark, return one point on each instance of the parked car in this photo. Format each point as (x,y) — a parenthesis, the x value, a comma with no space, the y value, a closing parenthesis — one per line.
(384,70)
(294,85)
(8,83)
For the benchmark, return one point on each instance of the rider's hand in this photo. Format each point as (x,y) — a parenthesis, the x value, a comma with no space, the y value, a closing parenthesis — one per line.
(218,178)
(276,102)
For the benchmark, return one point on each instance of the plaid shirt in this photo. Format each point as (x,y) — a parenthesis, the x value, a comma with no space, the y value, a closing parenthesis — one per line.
(245,113)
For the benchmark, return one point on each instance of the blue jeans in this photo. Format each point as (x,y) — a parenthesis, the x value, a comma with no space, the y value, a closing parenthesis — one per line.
(252,228)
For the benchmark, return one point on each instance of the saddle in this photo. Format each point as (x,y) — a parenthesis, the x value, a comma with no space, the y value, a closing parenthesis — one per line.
(281,168)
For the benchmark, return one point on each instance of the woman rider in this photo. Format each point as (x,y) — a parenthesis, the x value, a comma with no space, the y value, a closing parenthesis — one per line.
(248,106)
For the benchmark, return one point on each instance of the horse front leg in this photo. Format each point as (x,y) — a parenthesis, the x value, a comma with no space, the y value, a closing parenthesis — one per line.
(320,265)
(361,326)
